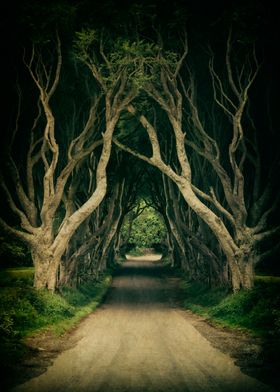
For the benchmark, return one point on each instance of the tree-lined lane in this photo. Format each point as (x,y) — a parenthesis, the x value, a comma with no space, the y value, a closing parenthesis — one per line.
(138,342)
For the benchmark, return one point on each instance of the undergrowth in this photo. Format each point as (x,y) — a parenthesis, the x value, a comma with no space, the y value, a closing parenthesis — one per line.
(137,251)
(256,310)
(24,310)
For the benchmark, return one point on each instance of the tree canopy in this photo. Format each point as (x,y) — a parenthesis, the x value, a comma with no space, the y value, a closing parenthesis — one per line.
(113,104)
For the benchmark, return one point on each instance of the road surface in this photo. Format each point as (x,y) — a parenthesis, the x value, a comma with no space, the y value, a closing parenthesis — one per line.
(138,342)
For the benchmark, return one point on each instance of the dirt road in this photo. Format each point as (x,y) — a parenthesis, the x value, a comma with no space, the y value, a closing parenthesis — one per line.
(137,341)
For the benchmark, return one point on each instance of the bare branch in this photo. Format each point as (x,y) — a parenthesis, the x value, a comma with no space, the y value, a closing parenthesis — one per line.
(213,200)
(263,221)
(77,144)
(15,130)
(23,218)
(25,202)
(182,58)
(58,67)
(151,132)
(217,81)
(132,152)
(266,234)
(229,68)
(101,48)
(270,252)
(27,238)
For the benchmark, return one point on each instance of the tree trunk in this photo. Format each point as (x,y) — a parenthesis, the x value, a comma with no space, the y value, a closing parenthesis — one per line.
(240,260)
(68,270)
(46,269)
(117,243)
(102,265)
(242,271)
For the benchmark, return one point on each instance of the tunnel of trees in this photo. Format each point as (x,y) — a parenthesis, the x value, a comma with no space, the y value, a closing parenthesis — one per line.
(134,114)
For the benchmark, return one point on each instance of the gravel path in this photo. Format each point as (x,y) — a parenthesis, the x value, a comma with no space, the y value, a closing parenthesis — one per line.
(138,342)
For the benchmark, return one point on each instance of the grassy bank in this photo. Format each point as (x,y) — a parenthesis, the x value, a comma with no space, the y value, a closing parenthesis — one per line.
(25,311)
(256,310)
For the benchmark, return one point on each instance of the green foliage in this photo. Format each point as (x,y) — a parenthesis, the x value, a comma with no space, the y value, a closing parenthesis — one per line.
(147,229)
(139,60)
(126,51)
(49,305)
(84,40)
(15,309)
(27,309)
(136,251)
(199,294)
(257,310)
(6,324)
(83,295)
(24,310)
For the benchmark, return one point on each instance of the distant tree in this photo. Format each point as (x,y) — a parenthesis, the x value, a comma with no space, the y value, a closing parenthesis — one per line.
(144,226)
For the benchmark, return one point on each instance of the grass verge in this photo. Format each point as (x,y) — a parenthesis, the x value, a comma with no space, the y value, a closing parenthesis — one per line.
(25,311)
(256,310)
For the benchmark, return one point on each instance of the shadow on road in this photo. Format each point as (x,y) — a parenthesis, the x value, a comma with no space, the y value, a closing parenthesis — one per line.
(137,285)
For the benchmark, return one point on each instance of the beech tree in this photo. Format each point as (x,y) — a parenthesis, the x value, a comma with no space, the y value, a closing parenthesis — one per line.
(197,120)
(191,245)
(36,205)
(88,252)
(176,93)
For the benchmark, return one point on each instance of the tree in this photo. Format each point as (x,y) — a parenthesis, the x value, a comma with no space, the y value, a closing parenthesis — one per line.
(194,124)
(176,95)
(144,226)
(37,205)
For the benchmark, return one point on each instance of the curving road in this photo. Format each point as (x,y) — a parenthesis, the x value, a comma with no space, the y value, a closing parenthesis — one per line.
(138,342)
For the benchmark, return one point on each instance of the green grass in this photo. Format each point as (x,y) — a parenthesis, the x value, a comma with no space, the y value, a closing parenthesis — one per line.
(25,311)
(16,276)
(267,278)
(256,310)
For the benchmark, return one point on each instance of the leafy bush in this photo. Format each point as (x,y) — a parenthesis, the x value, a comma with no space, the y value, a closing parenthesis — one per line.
(17,309)
(74,297)
(83,295)
(24,309)
(200,294)
(234,304)
(6,325)
(50,305)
